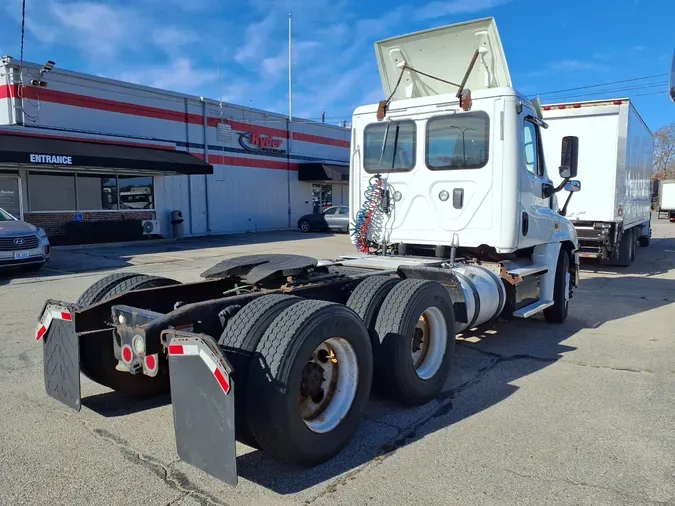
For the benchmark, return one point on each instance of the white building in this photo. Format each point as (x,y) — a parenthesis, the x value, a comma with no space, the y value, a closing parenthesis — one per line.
(77,149)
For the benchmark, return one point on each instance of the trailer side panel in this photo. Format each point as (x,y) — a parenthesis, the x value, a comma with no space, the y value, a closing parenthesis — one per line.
(634,169)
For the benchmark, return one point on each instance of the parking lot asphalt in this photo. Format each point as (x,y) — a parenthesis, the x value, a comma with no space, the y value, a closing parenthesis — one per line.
(533,413)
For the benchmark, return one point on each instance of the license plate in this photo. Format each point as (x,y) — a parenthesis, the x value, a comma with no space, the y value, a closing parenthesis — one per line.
(20,255)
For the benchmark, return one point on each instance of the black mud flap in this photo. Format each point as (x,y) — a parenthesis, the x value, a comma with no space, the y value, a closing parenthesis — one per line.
(60,353)
(202,398)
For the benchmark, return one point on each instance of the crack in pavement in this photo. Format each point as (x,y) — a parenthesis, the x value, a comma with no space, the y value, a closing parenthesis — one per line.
(640,500)
(551,360)
(173,478)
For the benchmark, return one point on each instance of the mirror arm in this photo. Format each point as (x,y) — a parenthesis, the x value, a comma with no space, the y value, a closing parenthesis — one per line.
(561,185)
(563,211)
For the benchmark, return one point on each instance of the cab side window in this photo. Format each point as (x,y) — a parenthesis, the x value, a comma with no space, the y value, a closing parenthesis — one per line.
(532,150)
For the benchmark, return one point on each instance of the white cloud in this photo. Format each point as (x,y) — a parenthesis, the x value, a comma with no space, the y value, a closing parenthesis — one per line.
(98,29)
(273,67)
(575,65)
(438,9)
(172,37)
(179,75)
(256,42)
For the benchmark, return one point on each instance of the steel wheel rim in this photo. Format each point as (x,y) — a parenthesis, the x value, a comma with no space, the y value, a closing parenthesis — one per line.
(338,381)
(304,226)
(428,349)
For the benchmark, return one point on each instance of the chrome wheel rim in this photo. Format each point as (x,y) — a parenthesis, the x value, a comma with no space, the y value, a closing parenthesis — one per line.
(328,385)
(429,343)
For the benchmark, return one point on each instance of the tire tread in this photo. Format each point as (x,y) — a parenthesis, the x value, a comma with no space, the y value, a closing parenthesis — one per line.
(238,328)
(95,292)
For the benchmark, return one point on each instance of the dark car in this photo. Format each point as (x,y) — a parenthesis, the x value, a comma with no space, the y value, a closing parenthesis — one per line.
(335,219)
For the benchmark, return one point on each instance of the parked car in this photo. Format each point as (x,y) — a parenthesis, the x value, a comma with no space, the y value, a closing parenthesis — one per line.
(335,218)
(22,244)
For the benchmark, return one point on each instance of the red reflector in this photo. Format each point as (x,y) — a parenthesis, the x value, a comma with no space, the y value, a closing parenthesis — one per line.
(547,107)
(41,333)
(175,349)
(224,384)
(618,102)
(67,317)
(576,106)
(126,353)
(562,107)
(150,362)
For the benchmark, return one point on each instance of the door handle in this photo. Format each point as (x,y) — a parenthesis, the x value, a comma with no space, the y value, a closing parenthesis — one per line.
(525,223)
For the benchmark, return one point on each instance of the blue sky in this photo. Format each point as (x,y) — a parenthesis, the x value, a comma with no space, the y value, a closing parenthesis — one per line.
(173,44)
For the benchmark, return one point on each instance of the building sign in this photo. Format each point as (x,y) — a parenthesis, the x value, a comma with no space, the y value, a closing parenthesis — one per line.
(260,143)
(51,159)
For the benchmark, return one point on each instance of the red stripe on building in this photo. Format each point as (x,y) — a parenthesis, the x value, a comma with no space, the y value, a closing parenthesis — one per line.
(90,140)
(103,104)
(320,140)
(257,163)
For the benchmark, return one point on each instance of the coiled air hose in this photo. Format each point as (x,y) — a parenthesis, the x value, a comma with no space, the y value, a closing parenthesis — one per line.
(373,197)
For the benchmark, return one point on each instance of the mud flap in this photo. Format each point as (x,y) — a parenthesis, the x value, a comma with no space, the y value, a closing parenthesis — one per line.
(60,354)
(202,398)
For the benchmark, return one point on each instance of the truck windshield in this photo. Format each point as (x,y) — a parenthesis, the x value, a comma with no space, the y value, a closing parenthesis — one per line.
(459,141)
(389,147)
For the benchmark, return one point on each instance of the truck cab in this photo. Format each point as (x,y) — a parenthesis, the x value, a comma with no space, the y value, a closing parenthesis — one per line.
(465,172)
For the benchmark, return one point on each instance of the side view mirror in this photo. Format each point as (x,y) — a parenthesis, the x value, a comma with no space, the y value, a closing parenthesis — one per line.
(573,185)
(569,157)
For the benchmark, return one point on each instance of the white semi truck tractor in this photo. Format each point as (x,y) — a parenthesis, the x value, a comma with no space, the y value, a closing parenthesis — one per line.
(455,225)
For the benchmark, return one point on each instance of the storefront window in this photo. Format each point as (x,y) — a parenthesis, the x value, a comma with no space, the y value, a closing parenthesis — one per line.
(136,192)
(56,192)
(51,191)
(96,192)
(322,197)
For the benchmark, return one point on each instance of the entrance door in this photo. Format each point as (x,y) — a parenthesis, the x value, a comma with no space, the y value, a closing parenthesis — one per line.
(10,196)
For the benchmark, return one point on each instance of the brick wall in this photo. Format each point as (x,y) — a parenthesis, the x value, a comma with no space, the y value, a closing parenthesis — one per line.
(54,223)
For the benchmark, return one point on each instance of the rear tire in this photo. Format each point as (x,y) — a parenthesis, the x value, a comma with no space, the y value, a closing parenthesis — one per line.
(97,351)
(301,416)
(366,301)
(305,226)
(622,255)
(95,292)
(644,241)
(243,332)
(417,316)
(557,313)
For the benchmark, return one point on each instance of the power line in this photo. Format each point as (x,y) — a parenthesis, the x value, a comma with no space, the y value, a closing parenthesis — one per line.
(599,85)
(613,90)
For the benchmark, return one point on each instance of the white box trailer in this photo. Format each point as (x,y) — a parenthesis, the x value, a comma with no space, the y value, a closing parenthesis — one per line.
(667,199)
(615,166)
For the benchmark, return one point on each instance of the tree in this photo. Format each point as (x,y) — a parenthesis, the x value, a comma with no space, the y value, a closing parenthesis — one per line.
(664,153)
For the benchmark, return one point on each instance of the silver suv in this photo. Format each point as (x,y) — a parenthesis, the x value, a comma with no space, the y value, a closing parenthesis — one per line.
(22,244)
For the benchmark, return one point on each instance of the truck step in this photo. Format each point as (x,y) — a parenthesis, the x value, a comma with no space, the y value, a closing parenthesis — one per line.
(527,270)
(532,309)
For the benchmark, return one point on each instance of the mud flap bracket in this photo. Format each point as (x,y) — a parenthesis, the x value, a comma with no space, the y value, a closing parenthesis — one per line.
(202,398)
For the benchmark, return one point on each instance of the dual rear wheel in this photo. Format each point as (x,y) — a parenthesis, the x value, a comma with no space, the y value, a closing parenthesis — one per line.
(304,390)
